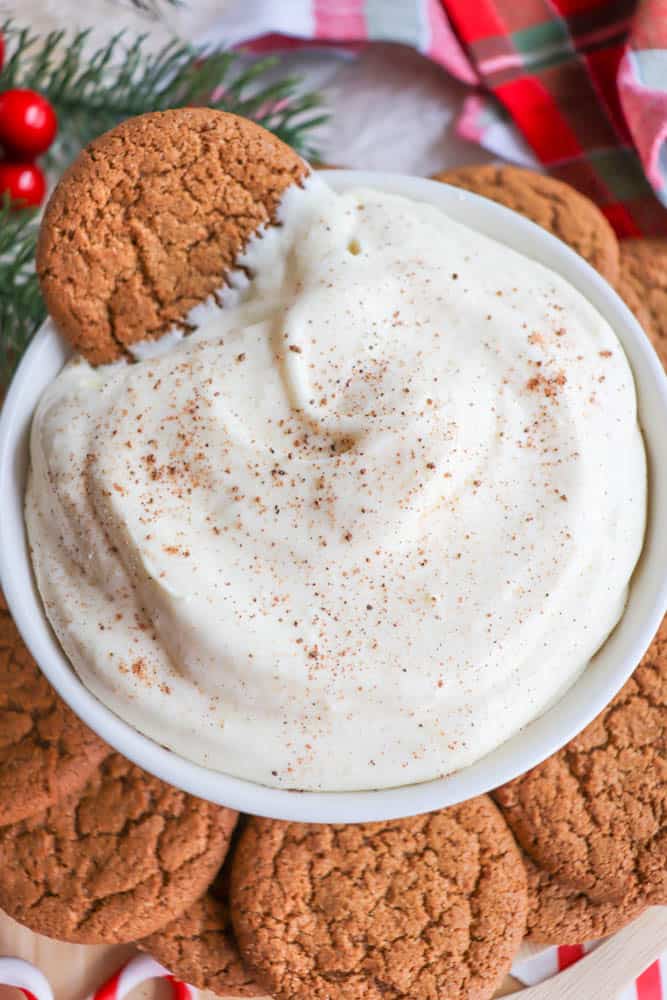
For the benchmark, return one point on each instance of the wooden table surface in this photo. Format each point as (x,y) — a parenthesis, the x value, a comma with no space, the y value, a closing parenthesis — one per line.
(74,970)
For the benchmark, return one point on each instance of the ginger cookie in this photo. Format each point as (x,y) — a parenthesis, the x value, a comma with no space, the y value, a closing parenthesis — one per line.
(149,220)
(427,907)
(114,862)
(560,915)
(595,814)
(46,752)
(199,948)
(550,203)
(642,282)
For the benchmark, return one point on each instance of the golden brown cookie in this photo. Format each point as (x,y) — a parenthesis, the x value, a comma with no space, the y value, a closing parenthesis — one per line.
(199,946)
(45,750)
(642,282)
(595,814)
(114,862)
(149,220)
(560,915)
(427,907)
(550,203)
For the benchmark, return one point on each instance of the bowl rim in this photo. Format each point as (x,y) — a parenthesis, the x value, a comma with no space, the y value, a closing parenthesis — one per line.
(529,747)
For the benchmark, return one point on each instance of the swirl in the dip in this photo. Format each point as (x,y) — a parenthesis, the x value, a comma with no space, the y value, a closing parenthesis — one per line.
(362,525)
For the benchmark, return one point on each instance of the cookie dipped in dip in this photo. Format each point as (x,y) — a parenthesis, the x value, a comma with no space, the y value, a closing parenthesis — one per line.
(374,514)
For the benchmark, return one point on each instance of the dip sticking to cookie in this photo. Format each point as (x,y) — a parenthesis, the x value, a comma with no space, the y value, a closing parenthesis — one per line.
(375,513)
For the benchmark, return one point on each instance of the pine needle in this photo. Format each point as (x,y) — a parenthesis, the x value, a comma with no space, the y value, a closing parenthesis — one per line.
(152,7)
(21,306)
(92,93)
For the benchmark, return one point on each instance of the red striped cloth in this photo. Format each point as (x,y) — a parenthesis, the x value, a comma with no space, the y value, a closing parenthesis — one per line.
(569,75)
(651,985)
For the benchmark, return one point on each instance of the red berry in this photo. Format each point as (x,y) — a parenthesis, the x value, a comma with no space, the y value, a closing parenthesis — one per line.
(28,123)
(23,182)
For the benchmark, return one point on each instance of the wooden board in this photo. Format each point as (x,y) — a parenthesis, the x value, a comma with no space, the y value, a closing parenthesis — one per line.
(74,970)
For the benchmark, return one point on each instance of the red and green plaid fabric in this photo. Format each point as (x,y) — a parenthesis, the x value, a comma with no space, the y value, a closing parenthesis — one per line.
(584,82)
(563,70)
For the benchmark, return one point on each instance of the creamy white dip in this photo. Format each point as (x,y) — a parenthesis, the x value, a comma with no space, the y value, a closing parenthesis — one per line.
(370,519)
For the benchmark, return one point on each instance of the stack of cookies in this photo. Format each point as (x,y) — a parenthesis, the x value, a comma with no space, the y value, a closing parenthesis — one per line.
(95,850)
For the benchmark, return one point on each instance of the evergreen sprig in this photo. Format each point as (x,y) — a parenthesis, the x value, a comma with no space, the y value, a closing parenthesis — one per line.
(21,307)
(93,92)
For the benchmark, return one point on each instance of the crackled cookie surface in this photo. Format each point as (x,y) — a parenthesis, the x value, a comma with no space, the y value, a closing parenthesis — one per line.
(424,908)
(114,862)
(559,914)
(642,282)
(199,946)
(595,814)
(45,750)
(149,221)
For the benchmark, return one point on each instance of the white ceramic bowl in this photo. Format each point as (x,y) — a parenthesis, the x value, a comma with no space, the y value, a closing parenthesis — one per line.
(594,689)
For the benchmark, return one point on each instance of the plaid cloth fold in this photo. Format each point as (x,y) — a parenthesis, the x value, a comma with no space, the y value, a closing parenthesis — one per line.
(584,82)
